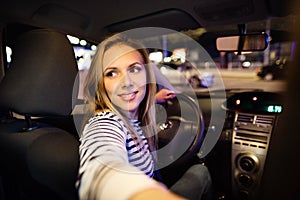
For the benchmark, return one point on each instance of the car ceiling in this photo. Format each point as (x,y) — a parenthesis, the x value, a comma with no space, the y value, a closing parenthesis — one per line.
(95,19)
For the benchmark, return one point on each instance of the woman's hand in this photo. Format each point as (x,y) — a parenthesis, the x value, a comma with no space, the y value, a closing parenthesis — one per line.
(164,95)
(154,193)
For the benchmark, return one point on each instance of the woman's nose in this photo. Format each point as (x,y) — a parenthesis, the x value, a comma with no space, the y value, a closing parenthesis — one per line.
(127,81)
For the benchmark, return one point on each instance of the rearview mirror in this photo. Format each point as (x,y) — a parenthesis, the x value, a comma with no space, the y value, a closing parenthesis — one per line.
(240,43)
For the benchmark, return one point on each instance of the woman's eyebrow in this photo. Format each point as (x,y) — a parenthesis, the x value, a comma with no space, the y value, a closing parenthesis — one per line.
(109,68)
(139,63)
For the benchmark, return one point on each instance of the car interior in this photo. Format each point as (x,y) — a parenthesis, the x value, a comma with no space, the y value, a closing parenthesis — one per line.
(245,132)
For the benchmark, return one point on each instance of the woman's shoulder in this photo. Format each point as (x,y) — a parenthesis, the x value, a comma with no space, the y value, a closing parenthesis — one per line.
(105,116)
(104,122)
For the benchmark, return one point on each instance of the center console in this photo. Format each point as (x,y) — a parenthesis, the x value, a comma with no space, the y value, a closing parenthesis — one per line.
(253,118)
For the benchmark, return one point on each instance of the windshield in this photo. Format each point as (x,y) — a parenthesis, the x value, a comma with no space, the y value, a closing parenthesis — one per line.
(260,70)
(190,61)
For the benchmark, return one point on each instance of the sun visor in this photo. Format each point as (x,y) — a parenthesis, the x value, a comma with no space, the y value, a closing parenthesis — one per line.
(165,19)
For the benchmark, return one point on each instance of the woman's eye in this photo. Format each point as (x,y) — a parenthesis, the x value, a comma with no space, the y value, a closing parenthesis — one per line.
(135,69)
(111,74)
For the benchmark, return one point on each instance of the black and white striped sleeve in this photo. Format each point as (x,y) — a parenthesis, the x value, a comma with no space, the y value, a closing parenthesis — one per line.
(104,165)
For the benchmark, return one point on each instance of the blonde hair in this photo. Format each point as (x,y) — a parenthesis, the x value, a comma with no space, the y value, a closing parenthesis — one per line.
(96,95)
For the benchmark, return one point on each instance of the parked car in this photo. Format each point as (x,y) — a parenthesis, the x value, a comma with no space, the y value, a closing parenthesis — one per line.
(202,80)
(277,70)
(187,73)
(243,129)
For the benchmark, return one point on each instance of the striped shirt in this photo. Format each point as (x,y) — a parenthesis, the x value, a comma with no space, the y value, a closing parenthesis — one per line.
(107,148)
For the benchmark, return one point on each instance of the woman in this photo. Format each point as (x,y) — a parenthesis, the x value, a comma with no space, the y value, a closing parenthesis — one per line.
(118,143)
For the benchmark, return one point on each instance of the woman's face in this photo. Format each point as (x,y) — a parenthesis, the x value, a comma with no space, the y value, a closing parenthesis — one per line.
(125,78)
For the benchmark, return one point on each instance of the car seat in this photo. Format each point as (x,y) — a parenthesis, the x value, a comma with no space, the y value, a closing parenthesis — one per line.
(39,151)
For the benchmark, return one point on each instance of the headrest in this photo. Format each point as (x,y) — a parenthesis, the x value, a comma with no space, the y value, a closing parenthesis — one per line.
(39,81)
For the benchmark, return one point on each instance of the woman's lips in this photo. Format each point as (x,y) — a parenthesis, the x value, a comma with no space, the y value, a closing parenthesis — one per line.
(128,96)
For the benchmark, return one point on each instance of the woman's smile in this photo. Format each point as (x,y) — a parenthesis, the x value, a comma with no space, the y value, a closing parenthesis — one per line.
(128,96)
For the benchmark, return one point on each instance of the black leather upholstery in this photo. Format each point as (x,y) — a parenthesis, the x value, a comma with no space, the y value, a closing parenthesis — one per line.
(42,162)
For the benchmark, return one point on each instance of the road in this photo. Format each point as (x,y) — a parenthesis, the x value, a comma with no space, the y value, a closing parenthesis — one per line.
(228,79)
(249,79)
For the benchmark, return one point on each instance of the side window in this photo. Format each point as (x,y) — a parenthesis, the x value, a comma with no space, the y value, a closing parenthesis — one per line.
(84,52)
(5,60)
(84,58)
(8,55)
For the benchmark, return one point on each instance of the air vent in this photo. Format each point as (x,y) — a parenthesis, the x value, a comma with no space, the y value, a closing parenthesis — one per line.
(252,131)
(264,120)
(245,118)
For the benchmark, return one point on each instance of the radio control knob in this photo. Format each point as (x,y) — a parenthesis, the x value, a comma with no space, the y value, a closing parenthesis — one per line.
(245,180)
(247,164)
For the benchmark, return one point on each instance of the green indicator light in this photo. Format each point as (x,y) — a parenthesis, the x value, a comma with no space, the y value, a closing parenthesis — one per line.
(275,109)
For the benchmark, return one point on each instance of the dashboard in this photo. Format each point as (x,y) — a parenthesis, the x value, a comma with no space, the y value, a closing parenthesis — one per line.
(238,159)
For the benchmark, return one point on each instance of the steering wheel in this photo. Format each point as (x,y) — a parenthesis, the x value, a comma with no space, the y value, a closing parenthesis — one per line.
(180,130)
